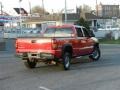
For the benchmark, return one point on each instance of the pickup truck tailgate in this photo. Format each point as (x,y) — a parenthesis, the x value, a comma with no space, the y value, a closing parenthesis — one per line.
(33,44)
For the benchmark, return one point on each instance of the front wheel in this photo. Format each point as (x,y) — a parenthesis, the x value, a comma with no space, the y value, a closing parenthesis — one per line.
(96,54)
(30,63)
(66,61)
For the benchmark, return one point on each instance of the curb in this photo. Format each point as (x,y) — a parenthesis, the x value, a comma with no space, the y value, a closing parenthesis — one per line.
(6,55)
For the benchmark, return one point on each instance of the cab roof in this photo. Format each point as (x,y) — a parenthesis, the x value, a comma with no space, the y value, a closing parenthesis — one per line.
(65,26)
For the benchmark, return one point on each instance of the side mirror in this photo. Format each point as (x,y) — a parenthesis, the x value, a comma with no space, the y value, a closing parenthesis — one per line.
(92,34)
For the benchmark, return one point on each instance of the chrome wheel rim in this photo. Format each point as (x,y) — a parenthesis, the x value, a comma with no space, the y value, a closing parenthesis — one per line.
(95,54)
(67,63)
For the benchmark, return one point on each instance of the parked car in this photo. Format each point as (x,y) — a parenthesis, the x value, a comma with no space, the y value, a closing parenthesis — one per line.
(59,44)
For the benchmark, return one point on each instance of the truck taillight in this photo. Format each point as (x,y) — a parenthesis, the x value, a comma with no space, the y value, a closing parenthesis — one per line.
(54,44)
(16,44)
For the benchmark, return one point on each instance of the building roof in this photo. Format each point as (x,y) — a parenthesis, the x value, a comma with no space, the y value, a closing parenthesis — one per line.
(41,19)
(90,16)
(65,25)
(22,9)
(111,5)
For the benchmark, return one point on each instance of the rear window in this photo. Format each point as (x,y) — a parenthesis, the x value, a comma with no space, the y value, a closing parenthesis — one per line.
(58,32)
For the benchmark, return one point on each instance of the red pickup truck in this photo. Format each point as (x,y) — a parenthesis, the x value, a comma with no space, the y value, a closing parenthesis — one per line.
(58,44)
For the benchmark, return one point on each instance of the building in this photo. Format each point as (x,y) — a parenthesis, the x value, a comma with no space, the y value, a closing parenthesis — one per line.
(51,19)
(71,17)
(98,22)
(92,20)
(108,10)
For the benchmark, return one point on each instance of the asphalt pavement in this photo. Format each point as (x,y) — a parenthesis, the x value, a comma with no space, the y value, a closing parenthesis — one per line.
(100,75)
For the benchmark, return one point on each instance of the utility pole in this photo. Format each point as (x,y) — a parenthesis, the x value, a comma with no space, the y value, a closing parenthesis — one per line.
(65,11)
(43,7)
(1,8)
(30,11)
(20,20)
(96,8)
(2,26)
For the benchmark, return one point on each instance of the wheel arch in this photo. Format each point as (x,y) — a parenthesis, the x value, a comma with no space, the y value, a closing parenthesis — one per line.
(67,48)
(96,45)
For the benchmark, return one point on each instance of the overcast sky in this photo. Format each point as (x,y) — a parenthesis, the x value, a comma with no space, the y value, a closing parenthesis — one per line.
(56,5)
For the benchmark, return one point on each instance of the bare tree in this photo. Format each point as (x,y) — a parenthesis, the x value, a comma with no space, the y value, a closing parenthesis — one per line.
(84,9)
(39,10)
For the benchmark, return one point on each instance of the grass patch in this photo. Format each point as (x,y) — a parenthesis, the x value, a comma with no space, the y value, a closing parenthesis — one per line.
(109,41)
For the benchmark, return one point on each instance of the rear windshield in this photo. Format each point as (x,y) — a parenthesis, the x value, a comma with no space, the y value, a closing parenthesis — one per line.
(58,32)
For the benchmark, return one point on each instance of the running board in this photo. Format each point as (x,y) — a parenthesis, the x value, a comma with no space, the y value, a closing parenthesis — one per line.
(79,57)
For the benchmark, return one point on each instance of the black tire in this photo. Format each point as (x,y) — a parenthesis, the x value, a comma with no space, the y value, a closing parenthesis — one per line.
(96,54)
(66,61)
(30,64)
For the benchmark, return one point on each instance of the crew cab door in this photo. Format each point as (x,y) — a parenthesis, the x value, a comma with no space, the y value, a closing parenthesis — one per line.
(81,41)
(89,43)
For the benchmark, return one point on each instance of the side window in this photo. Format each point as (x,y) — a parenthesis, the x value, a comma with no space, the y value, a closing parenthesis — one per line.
(79,32)
(86,33)
(64,31)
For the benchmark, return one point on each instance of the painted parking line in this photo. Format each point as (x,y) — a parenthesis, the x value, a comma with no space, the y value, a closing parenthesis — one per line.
(44,88)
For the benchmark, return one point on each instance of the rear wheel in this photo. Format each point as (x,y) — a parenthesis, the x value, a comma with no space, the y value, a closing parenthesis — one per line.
(30,63)
(96,54)
(66,61)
